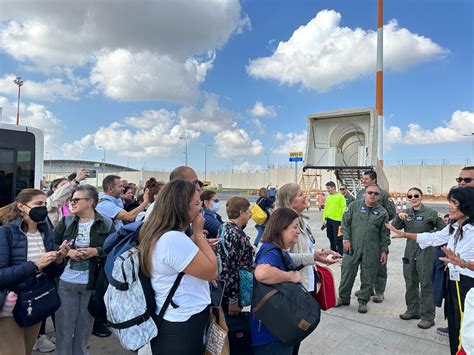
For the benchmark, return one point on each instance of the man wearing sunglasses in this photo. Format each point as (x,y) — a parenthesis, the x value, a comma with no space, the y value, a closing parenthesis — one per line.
(345,192)
(366,241)
(370,178)
(466,177)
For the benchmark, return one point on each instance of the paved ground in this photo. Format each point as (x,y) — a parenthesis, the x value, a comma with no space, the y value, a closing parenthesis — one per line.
(343,330)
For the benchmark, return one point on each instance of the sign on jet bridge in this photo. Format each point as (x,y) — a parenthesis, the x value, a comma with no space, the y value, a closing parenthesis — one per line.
(296,156)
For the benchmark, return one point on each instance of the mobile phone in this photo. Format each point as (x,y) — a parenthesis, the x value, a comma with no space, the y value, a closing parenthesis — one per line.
(71,242)
(92,173)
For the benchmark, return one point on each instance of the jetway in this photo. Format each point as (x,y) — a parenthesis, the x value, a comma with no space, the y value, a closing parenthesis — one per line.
(344,141)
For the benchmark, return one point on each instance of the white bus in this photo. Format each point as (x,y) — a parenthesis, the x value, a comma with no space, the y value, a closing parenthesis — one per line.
(21,160)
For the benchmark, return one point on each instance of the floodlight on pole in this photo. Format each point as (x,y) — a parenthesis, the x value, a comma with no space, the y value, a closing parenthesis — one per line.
(186,150)
(18,81)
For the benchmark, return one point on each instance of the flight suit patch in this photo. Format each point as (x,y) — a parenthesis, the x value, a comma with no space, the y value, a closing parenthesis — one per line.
(363,209)
(420,218)
(375,212)
(409,218)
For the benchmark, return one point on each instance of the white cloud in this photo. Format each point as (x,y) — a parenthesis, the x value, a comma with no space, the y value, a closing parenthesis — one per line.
(210,118)
(259,110)
(67,32)
(461,122)
(322,54)
(34,115)
(48,90)
(237,143)
(146,76)
(293,142)
(154,134)
(77,147)
(247,167)
(280,136)
(151,50)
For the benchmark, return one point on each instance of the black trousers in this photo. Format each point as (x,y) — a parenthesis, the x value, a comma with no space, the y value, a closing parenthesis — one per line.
(182,338)
(332,228)
(453,312)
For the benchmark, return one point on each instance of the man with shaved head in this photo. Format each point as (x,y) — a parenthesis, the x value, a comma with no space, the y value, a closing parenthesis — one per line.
(188,174)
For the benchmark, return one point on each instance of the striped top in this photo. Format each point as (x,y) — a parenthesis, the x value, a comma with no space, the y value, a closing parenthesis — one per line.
(35,246)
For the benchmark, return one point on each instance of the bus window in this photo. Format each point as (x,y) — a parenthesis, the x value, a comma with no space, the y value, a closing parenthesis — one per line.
(21,160)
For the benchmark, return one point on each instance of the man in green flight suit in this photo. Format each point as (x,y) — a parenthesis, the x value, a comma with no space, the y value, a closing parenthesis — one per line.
(345,192)
(366,241)
(370,178)
(417,262)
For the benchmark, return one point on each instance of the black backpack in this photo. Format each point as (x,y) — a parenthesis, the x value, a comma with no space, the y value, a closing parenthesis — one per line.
(287,309)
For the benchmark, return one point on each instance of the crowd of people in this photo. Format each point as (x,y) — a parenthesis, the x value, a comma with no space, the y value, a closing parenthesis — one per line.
(60,236)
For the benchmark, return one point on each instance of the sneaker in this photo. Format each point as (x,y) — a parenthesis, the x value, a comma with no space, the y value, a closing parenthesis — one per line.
(100,330)
(442,330)
(341,302)
(425,324)
(44,345)
(53,340)
(378,298)
(362,308)
(408,316)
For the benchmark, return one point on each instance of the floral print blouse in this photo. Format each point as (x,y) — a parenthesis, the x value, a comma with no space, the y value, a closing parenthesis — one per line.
(239,255)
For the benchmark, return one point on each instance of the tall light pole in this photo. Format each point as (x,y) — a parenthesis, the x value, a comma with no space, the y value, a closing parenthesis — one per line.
(18,82)
(232,166)
(472,144)
(379,81)
(185,150)
(50,164)
(103,159)
(205,160)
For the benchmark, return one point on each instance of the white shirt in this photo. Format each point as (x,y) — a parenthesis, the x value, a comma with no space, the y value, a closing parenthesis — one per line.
(35,246)
(465,246)
(173,252)
(77,272)
(310,270)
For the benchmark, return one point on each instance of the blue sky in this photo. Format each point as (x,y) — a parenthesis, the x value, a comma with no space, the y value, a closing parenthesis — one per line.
(240,76)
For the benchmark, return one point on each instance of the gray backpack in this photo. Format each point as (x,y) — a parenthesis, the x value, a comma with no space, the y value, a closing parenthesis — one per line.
(130,302)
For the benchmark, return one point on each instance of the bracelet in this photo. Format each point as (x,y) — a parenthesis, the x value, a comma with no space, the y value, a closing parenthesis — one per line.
(466,264)
(202,236)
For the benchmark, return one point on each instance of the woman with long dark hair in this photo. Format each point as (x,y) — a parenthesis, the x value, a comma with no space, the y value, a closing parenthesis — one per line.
(26,250)
(459,235)
(166,251)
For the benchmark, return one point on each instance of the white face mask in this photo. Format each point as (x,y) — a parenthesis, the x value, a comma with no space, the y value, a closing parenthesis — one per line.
(215,207)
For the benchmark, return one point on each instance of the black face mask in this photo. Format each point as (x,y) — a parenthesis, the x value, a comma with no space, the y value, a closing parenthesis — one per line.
(38,214)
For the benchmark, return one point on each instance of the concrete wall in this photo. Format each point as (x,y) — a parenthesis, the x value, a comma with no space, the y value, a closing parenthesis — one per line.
(440,178)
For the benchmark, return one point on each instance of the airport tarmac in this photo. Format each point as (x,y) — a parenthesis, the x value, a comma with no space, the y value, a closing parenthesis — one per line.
(342,330)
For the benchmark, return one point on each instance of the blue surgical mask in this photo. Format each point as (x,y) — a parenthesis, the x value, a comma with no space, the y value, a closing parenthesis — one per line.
(215,207)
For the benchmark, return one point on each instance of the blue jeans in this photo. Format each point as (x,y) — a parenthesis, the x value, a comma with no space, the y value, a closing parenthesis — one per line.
(260,230)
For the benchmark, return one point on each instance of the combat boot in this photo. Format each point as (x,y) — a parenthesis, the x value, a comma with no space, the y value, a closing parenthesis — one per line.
(362,308)
(378,298)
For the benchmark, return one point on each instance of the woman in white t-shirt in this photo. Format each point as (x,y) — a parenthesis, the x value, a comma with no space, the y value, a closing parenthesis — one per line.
(165,252)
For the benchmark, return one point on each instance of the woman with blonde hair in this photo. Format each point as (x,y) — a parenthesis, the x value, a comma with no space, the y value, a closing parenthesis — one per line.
(304,251)
(165,252)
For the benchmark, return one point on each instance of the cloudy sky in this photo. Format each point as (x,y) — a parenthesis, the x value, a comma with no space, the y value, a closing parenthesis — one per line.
(237,76)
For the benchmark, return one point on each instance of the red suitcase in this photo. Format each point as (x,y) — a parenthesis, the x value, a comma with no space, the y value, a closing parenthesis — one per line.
(326,295)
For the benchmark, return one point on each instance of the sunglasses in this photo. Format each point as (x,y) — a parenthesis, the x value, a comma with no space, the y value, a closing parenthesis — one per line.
(342,189)
(375,193)
(77,199)
(413,196)
(466,180)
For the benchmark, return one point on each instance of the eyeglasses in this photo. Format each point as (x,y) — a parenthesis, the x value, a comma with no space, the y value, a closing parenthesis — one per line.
(375,193)
(413,196)
(342,189)
(466,180)
(77,199)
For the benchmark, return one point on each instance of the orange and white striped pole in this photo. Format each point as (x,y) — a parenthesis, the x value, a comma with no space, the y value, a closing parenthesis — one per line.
(379,81)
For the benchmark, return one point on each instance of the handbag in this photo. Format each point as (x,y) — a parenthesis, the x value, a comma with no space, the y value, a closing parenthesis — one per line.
(286,309)
(245,287)
(326,295)
(217,340)
(239,334)
(245,278)
(36,301)
(258,214)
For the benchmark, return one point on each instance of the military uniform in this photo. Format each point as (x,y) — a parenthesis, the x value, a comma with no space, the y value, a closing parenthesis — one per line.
(365,228)
(417,262)
(349,198)
(387,203)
